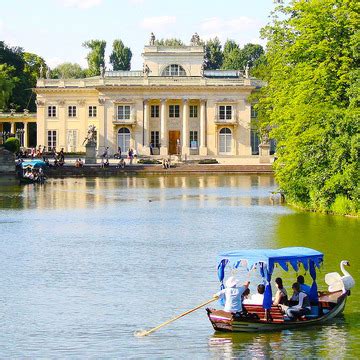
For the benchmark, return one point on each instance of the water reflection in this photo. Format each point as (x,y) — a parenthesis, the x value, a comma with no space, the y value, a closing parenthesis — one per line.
(326,342)
(85,192)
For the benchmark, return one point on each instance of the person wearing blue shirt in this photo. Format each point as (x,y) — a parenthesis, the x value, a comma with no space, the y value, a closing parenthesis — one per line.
(303,287)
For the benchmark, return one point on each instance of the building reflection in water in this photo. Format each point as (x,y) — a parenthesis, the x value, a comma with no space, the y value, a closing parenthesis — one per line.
(207,190)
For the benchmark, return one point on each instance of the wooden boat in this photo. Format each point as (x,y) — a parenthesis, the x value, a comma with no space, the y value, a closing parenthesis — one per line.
(325,305)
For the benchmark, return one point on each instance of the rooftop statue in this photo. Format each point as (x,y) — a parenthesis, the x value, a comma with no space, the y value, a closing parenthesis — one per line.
(152,39)
(102,70)
(247,70)
(146,70)
(47,72)
(195,40)
(41,69)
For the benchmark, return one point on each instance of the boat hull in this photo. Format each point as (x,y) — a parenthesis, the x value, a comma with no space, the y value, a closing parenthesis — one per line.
(225,322)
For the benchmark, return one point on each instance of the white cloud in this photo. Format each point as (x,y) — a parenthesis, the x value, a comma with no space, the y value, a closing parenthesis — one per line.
(157,23)
(80,4)
(240,29)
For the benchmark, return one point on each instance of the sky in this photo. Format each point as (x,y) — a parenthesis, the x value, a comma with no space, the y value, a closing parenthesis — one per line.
(56,29)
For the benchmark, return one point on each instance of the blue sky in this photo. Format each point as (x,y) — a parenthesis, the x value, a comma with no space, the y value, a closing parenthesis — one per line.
(55,29)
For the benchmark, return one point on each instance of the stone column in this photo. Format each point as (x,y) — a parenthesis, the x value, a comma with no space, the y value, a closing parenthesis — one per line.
(101,145)
(203,148)
(25,134)
(163,129)
(185,128)
(12,127)
(146,147)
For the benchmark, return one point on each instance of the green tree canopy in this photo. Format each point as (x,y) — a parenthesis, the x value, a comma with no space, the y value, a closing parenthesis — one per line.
(7,84)
(24,70)
(120,57)
(68,71)
(311,102)
(96,56)
(173,42)
(213,54)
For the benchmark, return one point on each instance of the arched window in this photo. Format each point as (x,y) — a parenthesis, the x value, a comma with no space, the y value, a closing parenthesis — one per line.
(124,139)
(174,70)
(225,139)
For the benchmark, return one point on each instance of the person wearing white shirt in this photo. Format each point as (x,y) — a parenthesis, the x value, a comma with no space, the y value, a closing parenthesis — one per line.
(232,293)
(257,299)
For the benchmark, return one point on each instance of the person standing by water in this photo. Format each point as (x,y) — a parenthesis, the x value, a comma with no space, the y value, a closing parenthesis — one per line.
(233,294)
(130,156)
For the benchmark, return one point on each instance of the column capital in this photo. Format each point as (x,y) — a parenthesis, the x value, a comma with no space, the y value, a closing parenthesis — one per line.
(185,100)
(202,101)
(163,101)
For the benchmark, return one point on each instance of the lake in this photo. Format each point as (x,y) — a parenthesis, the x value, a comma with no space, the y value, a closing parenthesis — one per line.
(87,262)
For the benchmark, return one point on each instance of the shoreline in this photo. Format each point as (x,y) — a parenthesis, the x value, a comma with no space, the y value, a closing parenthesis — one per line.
(97,170)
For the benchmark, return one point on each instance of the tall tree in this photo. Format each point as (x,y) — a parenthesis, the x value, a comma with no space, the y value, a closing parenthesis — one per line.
(24,75)
(7,84)
(251,53)
(68,71)
(32,66)
(120,57)
(173,42)
(311,102)
(96,56)
(213,54)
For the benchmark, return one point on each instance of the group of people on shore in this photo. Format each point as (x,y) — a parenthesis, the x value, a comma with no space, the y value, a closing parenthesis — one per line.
(295,307)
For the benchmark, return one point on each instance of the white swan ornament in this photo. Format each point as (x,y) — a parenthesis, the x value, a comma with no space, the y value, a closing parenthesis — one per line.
(337,282)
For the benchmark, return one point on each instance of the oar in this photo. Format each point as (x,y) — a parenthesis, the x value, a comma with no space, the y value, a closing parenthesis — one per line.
(148,332)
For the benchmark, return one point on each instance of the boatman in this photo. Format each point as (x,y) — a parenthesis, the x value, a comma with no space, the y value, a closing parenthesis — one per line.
(233,293)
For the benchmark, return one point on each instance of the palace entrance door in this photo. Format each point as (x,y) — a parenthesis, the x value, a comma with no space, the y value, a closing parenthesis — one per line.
(174,142)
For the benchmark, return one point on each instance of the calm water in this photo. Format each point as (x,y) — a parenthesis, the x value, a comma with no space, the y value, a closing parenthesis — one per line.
(87,262)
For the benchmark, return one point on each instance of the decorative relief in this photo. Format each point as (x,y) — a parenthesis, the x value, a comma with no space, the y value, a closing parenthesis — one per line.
(102,101)
(61,102)
(40,102)
(81,102)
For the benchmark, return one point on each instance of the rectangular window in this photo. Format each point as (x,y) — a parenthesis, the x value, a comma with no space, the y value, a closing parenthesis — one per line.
(123,112)
(253,112)
(92,111)
(254,140)
(225,112)
(155,139)
(72,111)
(52,111)
(193,111)
(154,111)
(193,139)
(72,140)
(51,137)
(174,111)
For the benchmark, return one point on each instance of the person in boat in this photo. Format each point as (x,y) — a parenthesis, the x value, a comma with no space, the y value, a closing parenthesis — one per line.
(246,295)
(303,287)
(257,299)
(281,297)
(302,302)
(233,295)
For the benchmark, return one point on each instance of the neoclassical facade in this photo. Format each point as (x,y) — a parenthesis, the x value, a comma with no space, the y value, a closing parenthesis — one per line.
(173,106)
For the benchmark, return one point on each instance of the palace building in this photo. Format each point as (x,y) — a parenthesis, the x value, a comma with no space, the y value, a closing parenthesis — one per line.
(171,107)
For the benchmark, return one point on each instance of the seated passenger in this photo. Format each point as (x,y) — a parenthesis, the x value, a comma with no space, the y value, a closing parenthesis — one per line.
(303,287)
(257,299)
(281,297)
(233,301)
(302,302)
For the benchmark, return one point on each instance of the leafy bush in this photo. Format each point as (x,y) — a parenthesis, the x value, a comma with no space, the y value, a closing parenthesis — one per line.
(342,206)
(208,161)
(12,144)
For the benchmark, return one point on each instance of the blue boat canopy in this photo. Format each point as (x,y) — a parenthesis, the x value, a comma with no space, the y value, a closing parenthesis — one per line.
(33,163)
(266,259)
